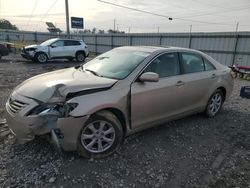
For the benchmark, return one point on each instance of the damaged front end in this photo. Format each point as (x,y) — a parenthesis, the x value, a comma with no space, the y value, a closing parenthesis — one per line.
(44,104)
(29,117)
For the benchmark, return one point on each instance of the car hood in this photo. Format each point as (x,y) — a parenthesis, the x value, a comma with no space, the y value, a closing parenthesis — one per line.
(31,46)
(56,85)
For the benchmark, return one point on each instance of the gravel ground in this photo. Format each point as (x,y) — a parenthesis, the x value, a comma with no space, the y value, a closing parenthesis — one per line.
(191,152)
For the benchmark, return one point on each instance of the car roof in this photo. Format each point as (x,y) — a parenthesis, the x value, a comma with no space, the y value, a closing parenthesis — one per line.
(67,39)
(152,49)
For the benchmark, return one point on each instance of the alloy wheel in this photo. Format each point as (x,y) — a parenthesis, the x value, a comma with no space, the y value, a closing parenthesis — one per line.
(42,58)
(98,136)
(80,57)
(215,103)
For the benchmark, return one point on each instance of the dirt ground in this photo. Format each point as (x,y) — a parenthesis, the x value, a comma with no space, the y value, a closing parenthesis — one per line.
(191,152)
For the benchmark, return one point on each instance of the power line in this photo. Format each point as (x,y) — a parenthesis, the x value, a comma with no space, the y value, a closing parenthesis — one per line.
(32,12)
(138,10)
(46,13)
(161,15)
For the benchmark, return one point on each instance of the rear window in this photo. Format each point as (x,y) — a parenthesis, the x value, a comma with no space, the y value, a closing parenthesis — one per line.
(72,43)
(191,63)
(208,65)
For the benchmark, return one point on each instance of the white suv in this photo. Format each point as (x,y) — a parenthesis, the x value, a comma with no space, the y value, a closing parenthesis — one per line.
(56,49)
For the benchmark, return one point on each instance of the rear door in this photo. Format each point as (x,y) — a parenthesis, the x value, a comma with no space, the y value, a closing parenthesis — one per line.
(71,47)
(154,101)
(198,76)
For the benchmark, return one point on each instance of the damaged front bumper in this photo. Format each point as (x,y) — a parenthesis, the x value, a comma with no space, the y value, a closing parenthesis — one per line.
(27,55)
(64,131)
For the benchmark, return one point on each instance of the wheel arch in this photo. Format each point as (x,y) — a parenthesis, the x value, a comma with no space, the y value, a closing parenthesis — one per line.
(118,114)
(39,52)
(224,91)
(81,51)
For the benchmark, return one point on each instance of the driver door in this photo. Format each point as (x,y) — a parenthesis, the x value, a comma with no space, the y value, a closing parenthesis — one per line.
(152,102)
(57,49)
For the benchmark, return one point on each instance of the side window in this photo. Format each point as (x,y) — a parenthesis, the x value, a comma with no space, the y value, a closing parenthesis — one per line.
(191,63)
(208,66)
(72,43)
(165,65)
(58,43)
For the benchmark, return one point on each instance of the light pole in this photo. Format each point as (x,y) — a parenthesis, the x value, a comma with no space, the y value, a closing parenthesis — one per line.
(67,17)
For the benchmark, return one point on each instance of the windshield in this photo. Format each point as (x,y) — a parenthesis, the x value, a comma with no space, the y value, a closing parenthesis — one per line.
(117,63)
(48,42)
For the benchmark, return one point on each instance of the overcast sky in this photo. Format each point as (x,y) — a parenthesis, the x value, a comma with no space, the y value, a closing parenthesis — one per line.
(203,15)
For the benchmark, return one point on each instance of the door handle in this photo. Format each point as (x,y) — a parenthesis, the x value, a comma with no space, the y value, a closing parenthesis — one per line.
(213,76)
(180,83)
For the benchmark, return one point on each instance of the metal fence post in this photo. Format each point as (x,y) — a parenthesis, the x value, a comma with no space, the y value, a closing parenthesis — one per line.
(130,40)
(190,41)
(95,44)
(7,37)
(112,41)
(35,37)
(160,40)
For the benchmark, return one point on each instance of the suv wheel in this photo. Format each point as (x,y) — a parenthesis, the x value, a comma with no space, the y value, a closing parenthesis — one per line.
(214,103)
(41,57)
(101,135)
(80,56)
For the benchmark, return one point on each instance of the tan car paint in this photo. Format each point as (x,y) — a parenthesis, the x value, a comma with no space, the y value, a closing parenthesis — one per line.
(141,104)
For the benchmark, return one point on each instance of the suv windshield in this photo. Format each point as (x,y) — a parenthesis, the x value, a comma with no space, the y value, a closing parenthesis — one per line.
(48,42)
(116,64)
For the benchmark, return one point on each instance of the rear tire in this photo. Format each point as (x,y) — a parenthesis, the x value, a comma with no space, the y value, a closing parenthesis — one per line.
(41,57)
(101,136)
(80,56)
(214,104)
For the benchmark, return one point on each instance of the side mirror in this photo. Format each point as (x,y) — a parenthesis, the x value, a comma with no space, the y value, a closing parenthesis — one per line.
(52,46)
(149,77)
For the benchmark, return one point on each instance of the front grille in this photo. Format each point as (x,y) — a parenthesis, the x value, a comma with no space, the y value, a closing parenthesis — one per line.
(16,106)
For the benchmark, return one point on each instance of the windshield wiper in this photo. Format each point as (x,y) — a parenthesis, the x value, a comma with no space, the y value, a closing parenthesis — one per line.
(93,72)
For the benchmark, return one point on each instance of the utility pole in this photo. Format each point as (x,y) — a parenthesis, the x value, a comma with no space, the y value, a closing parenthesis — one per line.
(190,29)
(237,27)
(235,43)
(67,17)
(114,25)
(128,29)
(158,30)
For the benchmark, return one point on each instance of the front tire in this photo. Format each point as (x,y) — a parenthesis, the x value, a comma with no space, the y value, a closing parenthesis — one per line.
(41,57)
(214,104)
(101,136)
(80,56)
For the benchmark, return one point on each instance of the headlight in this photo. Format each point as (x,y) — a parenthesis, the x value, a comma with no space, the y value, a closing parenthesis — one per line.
(62,110)
(44,108)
